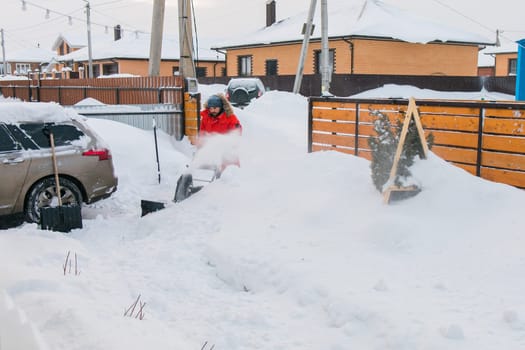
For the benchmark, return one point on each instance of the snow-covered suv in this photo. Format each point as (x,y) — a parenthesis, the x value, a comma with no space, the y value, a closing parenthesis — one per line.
(240,91)
(84,162)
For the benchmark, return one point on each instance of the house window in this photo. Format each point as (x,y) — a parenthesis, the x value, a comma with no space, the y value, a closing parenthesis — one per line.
(512,66)
(6,70)
(23,68)
(271,67)
(96,70)
(244,65)
(110,68)
(175,70)
(317,60)
(200,71)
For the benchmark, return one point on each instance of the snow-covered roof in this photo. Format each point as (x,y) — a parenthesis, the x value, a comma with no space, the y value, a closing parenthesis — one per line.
(369,18)
(505,48)
(133,47)
(73,40)
(78,40)
(32,54)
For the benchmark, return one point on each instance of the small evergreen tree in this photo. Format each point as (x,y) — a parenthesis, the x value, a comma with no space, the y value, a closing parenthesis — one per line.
(384,147)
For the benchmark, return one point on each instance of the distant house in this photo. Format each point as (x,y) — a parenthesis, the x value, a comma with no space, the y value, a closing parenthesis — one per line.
(27,60)
(69,42)
(485,64)
(505,59)
(129,55)
(368,38)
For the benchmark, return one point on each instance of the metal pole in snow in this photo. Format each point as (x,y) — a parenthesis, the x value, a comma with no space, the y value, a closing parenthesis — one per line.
(90,52)
(306,39)
(3,54)
(156,147)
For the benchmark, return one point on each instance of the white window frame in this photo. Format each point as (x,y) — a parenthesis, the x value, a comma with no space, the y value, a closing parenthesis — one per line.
(513,66)
(23,68)
(245,66)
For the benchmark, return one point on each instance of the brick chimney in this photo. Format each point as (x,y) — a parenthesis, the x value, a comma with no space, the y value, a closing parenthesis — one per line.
(270,12)
(117,34)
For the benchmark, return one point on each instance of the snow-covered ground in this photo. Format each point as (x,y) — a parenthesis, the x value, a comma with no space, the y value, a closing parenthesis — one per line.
(291,251)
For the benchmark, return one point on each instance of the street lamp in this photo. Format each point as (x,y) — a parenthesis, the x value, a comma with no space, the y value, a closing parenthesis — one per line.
(88,21)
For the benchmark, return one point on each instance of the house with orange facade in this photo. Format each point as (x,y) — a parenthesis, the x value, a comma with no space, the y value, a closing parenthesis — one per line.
(129,55)
(505,59)
(365,37)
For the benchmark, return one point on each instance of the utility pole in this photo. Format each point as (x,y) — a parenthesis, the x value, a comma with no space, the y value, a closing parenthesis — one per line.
(3,53)
(326,73)
(186,64)
(157,28)
(90,53)
(304,49)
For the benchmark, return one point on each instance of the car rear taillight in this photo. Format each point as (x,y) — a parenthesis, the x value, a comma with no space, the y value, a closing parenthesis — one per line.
(259,93)
(227,96)
(102,154)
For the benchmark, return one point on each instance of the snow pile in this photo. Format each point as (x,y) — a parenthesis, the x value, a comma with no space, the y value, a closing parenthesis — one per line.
(291,251)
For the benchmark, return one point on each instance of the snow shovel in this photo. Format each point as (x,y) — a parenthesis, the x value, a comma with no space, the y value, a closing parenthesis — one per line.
(150,206)
(61,218)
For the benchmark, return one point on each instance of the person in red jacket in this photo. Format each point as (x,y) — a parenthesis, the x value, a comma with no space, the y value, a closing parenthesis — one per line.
(217,118)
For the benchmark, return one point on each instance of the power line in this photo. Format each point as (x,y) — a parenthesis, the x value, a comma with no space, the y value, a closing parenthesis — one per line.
(464,15)
(499,32)
(19,29)
(118,21)
(70,16)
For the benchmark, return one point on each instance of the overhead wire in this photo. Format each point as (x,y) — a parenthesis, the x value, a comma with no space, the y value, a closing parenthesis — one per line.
(464,15)
(71,16)
(497,31)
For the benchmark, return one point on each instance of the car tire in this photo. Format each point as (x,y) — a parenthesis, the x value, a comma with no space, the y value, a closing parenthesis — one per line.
(240,97)
(43,194)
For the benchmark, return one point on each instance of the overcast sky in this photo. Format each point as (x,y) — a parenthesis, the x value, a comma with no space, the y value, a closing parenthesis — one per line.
(225,18)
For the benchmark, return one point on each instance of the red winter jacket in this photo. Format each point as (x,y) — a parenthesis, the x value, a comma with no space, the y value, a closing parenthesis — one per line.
(222,124)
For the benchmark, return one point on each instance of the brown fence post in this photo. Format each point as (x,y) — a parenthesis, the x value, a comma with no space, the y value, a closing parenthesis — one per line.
(356,147)
(30,91)
(480,141)
(310,125)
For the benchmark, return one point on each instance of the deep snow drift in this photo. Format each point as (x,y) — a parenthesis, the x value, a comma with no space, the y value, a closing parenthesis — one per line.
(291,251)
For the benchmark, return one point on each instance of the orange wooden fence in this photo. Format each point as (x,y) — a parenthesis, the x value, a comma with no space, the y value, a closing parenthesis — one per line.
(485,138)
(133,90)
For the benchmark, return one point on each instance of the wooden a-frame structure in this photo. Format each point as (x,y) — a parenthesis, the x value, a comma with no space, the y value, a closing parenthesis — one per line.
(412,112)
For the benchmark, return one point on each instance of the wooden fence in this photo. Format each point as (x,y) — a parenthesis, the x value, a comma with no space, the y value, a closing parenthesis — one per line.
(351,84)
(486,139)
(181,119)
(134,90)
